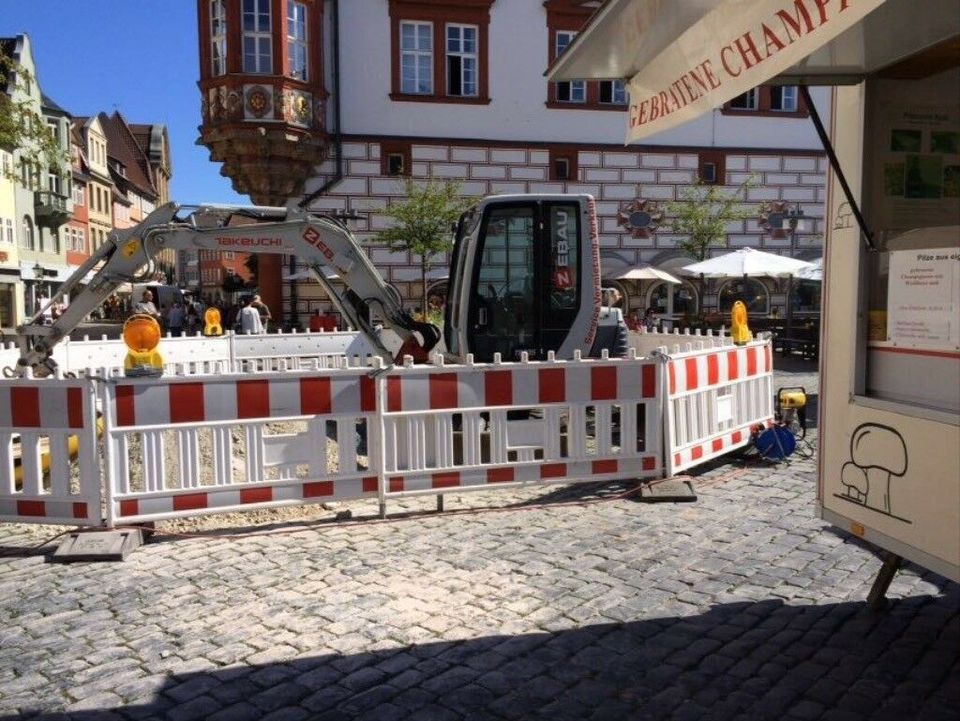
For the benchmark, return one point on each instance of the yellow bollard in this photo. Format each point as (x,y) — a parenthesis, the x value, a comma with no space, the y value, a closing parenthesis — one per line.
(738,324)
(211,321)
(141,333)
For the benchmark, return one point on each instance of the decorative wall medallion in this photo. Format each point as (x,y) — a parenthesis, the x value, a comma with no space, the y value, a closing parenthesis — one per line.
(773,219)
(259,102)
(297,108)
(640,217)
(233,104)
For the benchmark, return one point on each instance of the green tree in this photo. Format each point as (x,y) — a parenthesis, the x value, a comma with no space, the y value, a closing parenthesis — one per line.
(423,223)
(703,213)
(23,127)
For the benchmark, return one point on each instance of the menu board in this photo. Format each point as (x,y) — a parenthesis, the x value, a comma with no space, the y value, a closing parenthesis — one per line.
(923,302)
(917,176)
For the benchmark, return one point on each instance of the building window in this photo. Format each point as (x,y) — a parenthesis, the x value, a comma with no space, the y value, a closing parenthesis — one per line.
(26,233)
(416,58)
(394,159)
(749,100)
(297,39)
(439,50)
(462,60)
(257,41)
(768,100)
(672,301)
(613,92)
(572,91)
(7,231)
(563,165)
(218,38)
(78,195)
(783,98)
(711,168)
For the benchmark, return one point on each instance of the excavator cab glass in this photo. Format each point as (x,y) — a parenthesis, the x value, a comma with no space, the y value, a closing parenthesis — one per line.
(516,278)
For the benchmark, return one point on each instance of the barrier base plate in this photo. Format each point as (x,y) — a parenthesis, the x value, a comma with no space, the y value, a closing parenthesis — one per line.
(97,546)
(668,491)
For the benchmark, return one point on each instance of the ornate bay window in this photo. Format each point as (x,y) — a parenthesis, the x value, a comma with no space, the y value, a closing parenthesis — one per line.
(439,50)
(218,38)
(257,40)
(297,40)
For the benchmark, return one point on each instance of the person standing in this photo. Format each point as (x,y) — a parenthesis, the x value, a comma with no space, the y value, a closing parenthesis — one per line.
(175,318)
(250,322)
(264,312)
(146,306)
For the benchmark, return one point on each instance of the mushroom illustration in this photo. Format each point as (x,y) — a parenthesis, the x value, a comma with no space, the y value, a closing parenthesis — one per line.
(877,452)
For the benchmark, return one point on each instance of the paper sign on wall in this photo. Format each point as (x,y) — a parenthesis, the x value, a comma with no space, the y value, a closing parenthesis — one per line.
(923,306)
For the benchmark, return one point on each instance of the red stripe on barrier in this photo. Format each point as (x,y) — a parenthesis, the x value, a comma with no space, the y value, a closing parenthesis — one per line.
(649,376)
(75,407)
(370,484)
(394,394)
(31,508)
(186,402)
(649,463)
(79,510)
(253,399)
(498,388)
(443,390)
(315,396)
(450,479)
(733,365)
(395,484)
(717,445)
(553,470)
(256,495)
(713,369)
(691,372)
(317,489)
(696,453)
(603,383)
(129,508)
(767,360)
(751,361)
(676,459)
(126,409)
(189,501)
(553,385)
(736,437)
(25,407)
(672,371)
(610,466)
(368,394)
(500,475)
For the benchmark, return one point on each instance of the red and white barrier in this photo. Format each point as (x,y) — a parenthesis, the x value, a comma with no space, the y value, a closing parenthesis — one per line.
(714,397)
(191,444)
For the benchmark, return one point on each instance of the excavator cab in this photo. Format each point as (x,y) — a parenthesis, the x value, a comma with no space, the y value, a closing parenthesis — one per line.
(525,277)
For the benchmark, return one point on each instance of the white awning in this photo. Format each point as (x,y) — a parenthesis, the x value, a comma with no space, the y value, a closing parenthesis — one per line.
(685,57)
(747,262)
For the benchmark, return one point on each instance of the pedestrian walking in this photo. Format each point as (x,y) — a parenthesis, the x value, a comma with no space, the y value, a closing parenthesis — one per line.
(250,322)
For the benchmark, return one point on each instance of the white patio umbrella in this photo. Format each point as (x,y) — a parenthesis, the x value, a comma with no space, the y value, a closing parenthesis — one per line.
(814,273)
(747,262)
(643,272)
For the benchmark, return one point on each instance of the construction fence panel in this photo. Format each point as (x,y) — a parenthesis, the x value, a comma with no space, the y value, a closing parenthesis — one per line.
(470,427)
(181,446)
(714,399)
(49,465)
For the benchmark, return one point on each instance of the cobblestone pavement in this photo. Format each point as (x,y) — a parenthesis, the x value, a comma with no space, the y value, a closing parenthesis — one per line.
(568,603)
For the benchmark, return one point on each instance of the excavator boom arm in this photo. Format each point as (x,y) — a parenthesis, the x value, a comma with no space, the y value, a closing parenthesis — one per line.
(321,241)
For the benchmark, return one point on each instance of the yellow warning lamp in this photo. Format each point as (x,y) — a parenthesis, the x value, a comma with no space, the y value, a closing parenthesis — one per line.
(211,322)
(738,324)
(141,333)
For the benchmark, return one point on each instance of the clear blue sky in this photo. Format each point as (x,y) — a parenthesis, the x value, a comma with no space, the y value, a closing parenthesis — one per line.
(136,56)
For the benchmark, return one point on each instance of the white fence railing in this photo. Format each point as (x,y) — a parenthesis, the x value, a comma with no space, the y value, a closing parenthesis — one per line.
(229,434)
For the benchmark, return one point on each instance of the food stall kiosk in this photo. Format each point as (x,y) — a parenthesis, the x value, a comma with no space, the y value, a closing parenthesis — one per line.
(889,406)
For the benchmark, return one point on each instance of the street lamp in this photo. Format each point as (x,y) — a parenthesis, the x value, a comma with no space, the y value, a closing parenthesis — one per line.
(795,222)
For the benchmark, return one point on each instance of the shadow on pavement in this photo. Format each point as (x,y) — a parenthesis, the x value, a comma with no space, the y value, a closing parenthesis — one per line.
(753,660)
